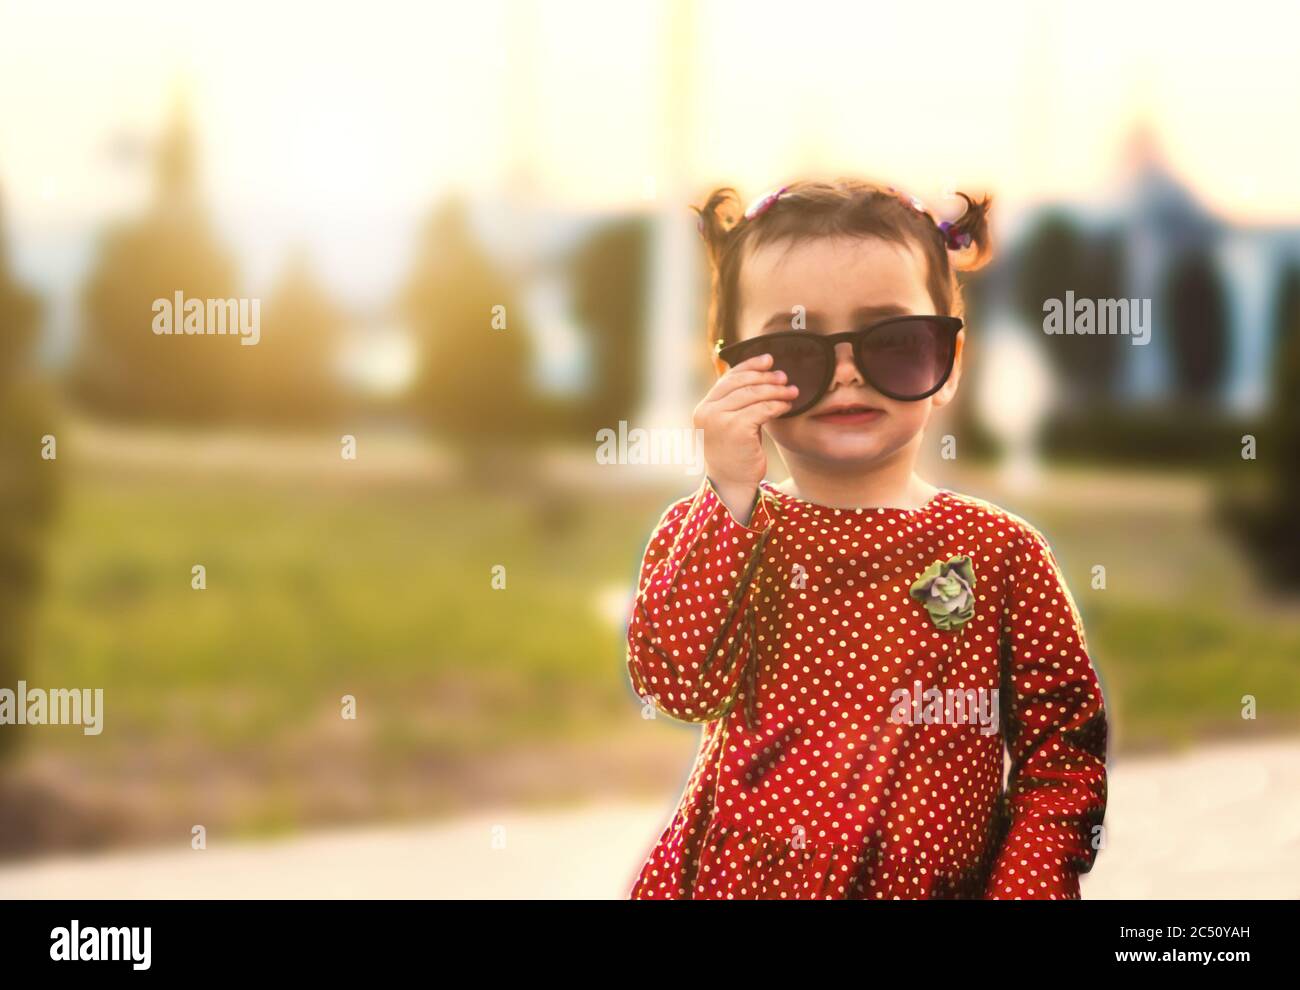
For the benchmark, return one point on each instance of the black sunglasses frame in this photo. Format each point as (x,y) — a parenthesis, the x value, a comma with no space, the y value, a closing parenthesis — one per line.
(742,350)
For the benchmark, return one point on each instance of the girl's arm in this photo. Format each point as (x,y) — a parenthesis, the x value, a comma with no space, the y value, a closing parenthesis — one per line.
(686,648)
(1056,735)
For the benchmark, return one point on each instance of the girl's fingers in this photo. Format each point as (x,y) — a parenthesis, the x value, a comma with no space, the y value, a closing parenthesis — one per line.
(759,362)
(744,397)
(739,377)
(726,388)
(762,360)
(761,412)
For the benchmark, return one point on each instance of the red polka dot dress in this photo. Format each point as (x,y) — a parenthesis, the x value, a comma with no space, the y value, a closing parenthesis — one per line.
(853,747)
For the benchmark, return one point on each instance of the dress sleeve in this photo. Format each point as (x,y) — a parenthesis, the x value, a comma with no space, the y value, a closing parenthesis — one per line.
(686,646)
(1056,736)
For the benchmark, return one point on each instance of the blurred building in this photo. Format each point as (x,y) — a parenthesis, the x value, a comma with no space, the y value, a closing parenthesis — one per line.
(1215,285)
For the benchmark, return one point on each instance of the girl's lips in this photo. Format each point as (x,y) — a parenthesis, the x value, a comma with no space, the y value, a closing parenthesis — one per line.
(850,418)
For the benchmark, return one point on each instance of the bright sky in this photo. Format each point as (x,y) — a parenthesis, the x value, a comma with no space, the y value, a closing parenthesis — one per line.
(336,125)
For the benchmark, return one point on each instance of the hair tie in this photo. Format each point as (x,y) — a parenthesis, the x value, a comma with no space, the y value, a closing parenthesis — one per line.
(764,203)
(911,201)
(954,238)
(755,209)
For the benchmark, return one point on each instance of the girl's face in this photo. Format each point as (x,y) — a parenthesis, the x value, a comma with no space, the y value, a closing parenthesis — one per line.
(841,284)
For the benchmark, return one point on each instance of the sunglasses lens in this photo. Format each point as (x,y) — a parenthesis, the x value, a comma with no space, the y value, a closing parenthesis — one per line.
(804,364)
(908,358)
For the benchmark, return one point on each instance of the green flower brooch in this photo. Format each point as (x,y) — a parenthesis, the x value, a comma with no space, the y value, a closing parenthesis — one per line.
(947,590)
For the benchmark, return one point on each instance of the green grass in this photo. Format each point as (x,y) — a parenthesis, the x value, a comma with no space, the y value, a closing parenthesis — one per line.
(386,595)
(311,595)
(317,589)
(1176,676)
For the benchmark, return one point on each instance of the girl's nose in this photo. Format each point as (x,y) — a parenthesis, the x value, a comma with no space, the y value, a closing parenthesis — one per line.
(846,368)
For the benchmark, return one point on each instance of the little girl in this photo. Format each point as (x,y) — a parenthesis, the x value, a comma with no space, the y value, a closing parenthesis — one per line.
(857,642)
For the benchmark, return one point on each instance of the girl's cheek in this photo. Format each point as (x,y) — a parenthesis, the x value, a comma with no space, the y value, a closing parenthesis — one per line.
(917,416)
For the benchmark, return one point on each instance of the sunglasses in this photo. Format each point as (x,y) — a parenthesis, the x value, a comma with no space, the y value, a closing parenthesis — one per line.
(904,357)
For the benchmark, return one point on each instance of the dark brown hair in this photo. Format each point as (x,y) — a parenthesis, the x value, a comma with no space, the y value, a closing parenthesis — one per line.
(842,208)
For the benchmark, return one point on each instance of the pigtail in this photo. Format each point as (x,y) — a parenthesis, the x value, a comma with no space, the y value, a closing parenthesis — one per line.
(968,236)
(716,224)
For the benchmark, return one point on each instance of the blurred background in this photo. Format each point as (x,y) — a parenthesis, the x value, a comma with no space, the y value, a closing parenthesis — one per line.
(467,229)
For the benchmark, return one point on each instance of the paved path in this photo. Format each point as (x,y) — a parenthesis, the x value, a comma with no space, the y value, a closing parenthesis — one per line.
(1220,821)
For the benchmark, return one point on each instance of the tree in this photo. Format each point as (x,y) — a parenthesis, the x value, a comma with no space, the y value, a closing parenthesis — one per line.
(474,381)
(608,271)
(1197,305)
(289,376)
(122,367)
(1256,497)
(26,480)
(1056,258)
(1283,435)
(1286,388)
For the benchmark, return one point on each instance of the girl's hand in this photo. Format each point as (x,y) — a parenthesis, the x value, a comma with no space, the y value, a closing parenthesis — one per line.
(732,415)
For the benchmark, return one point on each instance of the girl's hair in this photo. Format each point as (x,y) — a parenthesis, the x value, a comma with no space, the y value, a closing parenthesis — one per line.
(842,208)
